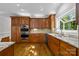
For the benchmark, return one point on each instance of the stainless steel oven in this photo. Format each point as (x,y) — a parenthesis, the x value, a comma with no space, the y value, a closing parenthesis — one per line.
(24,32)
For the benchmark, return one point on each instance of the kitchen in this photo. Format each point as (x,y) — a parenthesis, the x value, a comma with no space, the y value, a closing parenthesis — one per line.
(39,29)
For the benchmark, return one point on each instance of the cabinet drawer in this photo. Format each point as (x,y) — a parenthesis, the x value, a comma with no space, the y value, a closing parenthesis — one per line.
(67,48)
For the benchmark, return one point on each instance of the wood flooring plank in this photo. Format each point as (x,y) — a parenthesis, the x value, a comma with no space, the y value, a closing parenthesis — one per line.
(31,49)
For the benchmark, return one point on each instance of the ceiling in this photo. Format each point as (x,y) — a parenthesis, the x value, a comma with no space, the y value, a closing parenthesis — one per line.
(29,9)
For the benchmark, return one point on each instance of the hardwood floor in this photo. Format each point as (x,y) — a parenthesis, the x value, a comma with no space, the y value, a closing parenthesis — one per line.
(31,49)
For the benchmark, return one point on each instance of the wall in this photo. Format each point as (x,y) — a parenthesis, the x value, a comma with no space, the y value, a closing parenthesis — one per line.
(5,27)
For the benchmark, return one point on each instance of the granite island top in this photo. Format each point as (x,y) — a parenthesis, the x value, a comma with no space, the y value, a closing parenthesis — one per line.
(73,41)
(4,45)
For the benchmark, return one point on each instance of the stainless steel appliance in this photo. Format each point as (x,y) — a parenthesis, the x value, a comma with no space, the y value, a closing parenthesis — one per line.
(24,32)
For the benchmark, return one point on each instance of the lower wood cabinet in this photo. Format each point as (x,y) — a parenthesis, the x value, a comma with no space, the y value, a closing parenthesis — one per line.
(5,39)
(77,51)
(53,44)
(8,51)
(61,48)
(37,37)
(67,49)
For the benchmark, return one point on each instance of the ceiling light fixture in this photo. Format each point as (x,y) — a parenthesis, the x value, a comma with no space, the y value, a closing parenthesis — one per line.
(18,5)
(41,9)
(22,9)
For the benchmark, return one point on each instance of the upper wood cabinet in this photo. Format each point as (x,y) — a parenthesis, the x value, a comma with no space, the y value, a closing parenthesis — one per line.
(40,23)
(52,22)
(15,21)
(25,20)
(33,23)
(19,20)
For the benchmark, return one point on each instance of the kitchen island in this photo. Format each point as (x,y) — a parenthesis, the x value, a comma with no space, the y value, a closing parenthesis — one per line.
(7,48)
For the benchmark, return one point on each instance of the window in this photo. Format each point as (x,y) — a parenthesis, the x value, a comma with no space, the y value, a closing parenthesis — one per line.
(71,25)
(61,25)
(68,21)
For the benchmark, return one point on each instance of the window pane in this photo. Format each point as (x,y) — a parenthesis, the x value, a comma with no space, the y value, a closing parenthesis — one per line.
(71,25)
(61,25)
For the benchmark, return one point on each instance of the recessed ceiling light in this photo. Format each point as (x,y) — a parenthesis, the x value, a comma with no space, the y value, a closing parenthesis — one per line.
(22,9)
(18,5)
(41,9)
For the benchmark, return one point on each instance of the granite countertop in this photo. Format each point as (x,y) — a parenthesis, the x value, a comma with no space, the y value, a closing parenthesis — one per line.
(4,45)
(70,40)
(40,30)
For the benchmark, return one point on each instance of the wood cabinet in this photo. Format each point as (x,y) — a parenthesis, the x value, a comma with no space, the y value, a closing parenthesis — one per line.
(33,23)
(15,34)
(8,51)
(52,22)
(16,22)
(5,39)
(53,44)
(37,37)
(77,51)
(40,23)
(19,20)
(67,49)
(25,20)
(61,48)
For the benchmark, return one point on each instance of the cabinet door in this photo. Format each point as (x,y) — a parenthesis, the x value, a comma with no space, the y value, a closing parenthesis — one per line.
(39,23)
(53,44)
(14,33)
(37,38)
(16,21)
(25,20)
(43,23)
(15,36)
(47,23)
(18,35)
(77,51)
(34,23)
(67,49)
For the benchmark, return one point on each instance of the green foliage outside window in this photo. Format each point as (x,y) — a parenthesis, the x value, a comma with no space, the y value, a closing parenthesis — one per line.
(71,26)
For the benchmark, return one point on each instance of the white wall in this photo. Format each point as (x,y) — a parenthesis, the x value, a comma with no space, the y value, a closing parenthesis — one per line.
(5,26)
